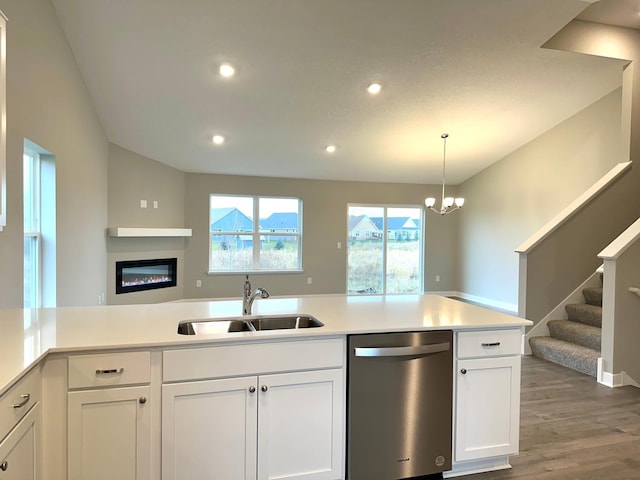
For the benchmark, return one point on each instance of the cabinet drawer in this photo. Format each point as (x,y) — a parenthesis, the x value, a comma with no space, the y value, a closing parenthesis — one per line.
(18,401)
(110,369)
(489,343)
(251,359)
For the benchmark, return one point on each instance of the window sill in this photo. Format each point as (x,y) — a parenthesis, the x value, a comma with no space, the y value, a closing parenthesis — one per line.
(254,272)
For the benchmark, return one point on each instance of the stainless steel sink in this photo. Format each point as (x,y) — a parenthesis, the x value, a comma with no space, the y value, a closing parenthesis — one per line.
(247,324)
(285,322)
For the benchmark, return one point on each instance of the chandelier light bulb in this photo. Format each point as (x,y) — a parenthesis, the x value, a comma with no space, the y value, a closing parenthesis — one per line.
(448,202)
(430,202)
(459,202)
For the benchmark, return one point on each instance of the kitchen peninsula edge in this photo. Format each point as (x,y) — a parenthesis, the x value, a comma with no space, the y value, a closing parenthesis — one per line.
(33,336)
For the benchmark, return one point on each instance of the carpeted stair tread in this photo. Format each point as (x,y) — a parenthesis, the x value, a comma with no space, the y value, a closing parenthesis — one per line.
(593,296)
(585,313)
(576,332)
(567,354)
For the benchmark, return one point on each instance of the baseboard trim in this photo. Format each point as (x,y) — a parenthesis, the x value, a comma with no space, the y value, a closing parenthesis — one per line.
(614,380)
(477,466)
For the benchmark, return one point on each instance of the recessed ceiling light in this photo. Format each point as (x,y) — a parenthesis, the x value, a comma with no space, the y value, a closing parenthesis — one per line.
(227,70)
(330,148)
(374,88)
(217,139)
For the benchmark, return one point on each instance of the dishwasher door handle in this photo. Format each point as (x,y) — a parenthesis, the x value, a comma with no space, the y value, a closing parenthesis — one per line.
(416,351)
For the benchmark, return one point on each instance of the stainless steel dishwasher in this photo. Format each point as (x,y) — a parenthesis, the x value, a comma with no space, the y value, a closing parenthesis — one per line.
(400,389)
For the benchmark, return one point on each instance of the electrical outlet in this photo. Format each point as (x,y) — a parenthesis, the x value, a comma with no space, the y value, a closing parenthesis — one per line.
(339,245)
(309,281)
(155,204)
(143,204)
(437,278)
(198,283)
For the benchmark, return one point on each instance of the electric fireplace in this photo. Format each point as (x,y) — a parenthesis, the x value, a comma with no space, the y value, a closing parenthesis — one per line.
(138,275)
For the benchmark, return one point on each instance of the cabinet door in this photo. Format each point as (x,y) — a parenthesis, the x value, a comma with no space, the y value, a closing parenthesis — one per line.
(19,451)
(209,430)
(109,434)
(487,407)
(301,425)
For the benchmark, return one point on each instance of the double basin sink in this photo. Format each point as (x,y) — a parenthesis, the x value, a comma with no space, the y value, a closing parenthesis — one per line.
(247,324)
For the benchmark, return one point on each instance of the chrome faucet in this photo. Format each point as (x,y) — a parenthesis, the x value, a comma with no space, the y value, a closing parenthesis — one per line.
(249,296)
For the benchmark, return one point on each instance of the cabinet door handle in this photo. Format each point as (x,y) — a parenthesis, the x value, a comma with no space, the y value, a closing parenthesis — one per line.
(252,389)
(142,400)
(25,397)
(463,371)
(4,466)
(264,388)
(491,344)
(110,371)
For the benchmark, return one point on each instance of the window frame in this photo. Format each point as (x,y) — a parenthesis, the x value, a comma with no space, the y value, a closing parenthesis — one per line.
(33,231)
(385,237)
(256,235)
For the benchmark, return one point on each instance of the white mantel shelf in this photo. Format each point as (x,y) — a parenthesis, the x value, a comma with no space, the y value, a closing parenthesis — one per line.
(149,232)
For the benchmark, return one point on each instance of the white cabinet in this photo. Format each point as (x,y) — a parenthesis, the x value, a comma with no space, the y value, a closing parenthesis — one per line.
(263,425)
(20,449)
(300,425)
(209,429)
(487,407)
(20,429)
(109,427)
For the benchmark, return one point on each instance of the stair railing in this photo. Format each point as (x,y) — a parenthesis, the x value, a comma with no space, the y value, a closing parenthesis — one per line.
(620,329)
(559,256)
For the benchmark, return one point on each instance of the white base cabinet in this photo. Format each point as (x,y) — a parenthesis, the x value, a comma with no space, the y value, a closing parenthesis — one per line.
(209,429)
(300,425)
(109,434)
(286,425)
(487,400)
(487,411)
(20,449)
(109,416)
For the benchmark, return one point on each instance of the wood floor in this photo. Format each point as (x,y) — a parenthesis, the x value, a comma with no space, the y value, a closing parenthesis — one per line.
(572,428)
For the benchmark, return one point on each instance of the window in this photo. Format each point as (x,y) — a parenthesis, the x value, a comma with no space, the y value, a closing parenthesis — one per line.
(240,244)
(39,225)
(380,263)
(31,208)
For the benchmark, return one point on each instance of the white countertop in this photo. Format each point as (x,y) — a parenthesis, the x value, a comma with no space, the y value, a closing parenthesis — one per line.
(29,335)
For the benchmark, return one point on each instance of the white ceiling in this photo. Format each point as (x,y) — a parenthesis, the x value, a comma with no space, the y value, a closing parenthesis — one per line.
(472,68)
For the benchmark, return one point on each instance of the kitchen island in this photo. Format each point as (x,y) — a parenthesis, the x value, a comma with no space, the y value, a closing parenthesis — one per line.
(59,346)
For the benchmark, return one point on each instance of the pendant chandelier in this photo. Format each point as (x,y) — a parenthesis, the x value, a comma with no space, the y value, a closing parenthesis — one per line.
(447,204)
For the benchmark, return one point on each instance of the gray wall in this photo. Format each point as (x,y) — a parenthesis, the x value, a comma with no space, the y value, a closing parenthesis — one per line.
(47,102)
(325,224)
(627,306)
(510,200)
(132,178)
(622,43)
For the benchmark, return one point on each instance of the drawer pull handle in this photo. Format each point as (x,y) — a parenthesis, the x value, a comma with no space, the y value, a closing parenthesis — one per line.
(25,399)
(492,344)
(463,371)
(264,388)
(111,371)
(252,389)
(4,466)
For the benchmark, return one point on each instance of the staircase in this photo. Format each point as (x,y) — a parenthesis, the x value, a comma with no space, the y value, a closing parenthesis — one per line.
(575,343)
